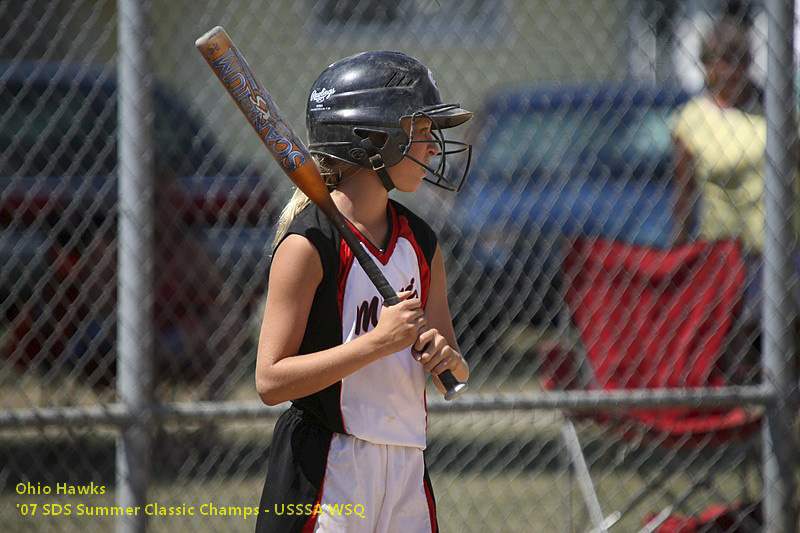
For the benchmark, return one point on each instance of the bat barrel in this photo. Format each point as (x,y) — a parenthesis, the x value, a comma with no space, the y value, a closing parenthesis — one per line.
(207,36)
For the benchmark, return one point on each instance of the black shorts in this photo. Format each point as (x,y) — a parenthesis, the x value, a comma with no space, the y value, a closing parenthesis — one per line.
(295,471)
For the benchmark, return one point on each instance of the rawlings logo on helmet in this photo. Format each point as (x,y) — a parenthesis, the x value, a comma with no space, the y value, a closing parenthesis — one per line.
(321,95)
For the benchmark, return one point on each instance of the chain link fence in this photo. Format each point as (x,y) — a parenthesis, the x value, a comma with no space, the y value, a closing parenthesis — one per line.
(622,262)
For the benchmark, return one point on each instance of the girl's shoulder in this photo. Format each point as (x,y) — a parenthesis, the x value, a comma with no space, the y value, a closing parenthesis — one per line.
(423,233)
(402,210)
(313,225)
(311,220)
(416,221)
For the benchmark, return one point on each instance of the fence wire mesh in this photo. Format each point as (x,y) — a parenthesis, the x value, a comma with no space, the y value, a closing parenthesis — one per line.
(610,239)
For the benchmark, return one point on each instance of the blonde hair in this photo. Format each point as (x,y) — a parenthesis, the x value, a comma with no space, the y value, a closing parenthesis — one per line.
(333,170)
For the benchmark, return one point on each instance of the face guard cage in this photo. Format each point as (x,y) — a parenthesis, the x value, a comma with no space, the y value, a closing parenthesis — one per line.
(446,176)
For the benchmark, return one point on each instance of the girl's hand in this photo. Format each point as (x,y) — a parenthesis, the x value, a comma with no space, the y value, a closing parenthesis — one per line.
(399,325)
(435,354)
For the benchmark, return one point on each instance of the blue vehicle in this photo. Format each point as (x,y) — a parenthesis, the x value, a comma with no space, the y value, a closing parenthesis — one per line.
(550,162)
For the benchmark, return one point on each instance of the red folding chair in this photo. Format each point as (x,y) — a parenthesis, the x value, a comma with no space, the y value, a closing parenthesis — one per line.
(650,318)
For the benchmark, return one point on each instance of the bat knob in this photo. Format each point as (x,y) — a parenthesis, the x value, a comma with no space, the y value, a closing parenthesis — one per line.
(456,391)
(454,387)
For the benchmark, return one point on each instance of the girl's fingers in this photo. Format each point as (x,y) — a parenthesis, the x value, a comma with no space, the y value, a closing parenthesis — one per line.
(434,353)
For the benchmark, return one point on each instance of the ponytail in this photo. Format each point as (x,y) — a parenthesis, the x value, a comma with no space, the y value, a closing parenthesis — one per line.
(332,171)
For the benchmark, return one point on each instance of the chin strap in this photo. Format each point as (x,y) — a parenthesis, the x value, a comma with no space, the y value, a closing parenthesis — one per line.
(378,166)
(380,169)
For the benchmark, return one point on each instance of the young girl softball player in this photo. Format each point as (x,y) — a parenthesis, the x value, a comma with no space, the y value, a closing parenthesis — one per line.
(348,454)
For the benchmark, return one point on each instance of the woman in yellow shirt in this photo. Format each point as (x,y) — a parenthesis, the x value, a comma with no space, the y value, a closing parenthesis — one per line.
(720,138)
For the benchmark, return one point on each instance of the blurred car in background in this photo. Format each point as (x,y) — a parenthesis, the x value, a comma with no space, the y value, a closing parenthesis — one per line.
(550,162)
(58,194)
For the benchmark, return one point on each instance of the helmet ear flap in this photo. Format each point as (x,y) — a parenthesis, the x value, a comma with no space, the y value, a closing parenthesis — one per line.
(372,144)
(389,143)
(377,138)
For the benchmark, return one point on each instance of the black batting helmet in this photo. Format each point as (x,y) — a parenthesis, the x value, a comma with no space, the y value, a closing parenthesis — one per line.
(369,93)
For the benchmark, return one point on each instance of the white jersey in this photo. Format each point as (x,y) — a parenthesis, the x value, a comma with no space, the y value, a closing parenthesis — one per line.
(383,402)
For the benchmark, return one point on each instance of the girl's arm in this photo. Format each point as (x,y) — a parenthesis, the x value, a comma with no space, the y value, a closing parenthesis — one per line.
(442,351)
(282,374)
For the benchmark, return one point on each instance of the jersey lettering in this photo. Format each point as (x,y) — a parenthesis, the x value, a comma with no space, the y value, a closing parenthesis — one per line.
(367,315)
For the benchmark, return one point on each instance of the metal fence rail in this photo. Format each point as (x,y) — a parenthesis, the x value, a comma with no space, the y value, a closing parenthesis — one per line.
(625,290)
(117,415)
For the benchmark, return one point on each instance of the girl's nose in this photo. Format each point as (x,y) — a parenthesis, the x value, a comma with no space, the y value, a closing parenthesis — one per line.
(433,147)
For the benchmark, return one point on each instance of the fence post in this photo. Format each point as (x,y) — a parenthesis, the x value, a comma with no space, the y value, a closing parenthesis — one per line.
(135,325)
(779,344)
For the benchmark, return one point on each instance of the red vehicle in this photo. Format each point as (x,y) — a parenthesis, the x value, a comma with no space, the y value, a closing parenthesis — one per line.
(58,190)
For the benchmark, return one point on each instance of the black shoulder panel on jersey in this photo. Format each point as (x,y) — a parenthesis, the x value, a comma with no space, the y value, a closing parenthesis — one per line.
(324,327)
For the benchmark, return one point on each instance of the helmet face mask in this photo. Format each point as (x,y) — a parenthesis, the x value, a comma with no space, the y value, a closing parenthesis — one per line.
(360,101)
(442,173)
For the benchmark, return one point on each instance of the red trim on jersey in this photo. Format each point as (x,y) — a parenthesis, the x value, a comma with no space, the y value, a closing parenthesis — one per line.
(400,228)
(425,402)
(346,258)
(385,255)
(431,506)
(404,231)
(312,520)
